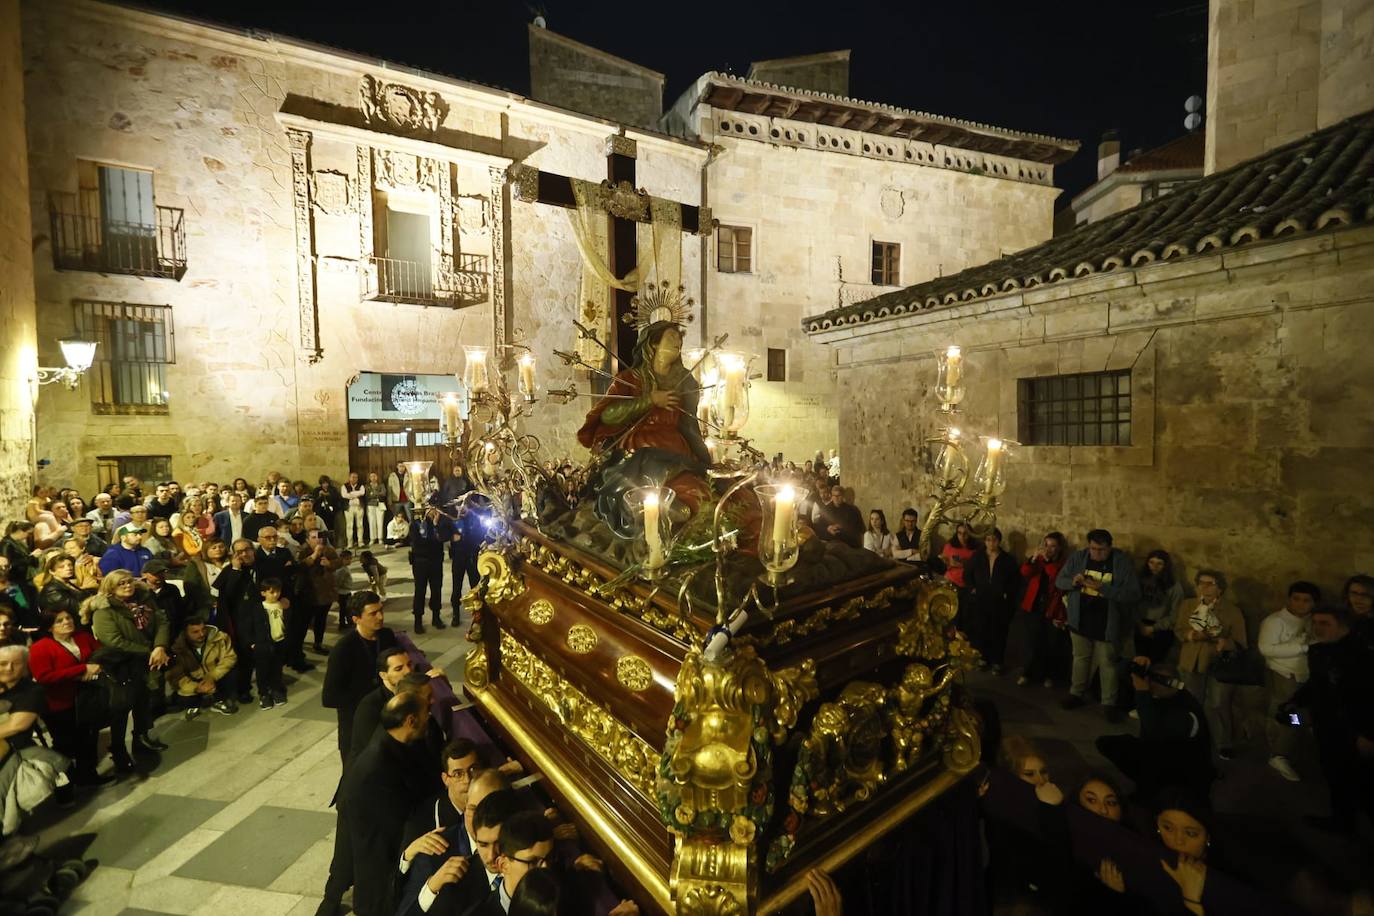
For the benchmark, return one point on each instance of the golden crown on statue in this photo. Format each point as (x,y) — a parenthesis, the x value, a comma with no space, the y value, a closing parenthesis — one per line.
(660,302)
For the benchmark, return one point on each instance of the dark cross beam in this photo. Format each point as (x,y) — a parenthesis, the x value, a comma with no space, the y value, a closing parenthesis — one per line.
(622,238)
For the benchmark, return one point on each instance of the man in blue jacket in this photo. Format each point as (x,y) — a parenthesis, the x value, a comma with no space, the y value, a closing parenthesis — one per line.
(1100,591)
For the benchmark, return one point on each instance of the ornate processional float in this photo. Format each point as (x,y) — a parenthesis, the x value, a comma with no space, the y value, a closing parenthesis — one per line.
(722,700)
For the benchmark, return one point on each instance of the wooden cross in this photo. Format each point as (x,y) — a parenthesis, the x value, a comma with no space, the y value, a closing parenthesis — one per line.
(626,209)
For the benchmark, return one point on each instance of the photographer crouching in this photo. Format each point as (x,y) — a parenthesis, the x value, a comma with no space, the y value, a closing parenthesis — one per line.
(1174,749)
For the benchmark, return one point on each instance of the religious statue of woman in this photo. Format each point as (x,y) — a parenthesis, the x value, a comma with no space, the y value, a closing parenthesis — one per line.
(646,425)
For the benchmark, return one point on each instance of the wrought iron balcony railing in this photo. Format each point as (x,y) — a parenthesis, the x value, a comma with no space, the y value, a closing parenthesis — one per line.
(82,239)
(416,283)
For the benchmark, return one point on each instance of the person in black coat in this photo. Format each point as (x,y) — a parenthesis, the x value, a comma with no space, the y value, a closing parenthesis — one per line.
(472,532)
(378,793)
(429,534)
(993,578)
(351,672)
(238,597)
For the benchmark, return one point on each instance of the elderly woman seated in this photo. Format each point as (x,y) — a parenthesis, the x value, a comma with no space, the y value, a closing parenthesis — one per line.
(29,771)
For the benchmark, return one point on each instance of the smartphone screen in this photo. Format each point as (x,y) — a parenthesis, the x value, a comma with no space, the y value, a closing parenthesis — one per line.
(1294,718)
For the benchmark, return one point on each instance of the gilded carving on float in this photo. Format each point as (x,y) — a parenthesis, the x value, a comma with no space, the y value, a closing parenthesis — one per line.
(503,583)
(608,737)
(963,747)
(634,673)
(540,612)
(581,638)
(475,672)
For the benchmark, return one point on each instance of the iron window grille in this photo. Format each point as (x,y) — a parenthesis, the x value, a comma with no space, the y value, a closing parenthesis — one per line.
(135,345)
(1086,408)
(117,228)
(114,468)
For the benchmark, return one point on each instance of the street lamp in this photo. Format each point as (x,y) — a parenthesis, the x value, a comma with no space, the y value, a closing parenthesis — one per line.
(79,353)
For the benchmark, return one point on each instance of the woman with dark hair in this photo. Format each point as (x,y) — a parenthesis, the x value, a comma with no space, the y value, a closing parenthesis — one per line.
(1160,595)
(535,895)
(993,578)
(60,661)
(202,571)
(956,554)
(58,590)
(877,538)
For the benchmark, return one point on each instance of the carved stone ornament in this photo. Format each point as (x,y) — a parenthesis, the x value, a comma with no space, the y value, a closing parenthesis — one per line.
(634,673)
(524,182)
(400,107)
(406,171)
(471,213)
(891,203)
(540,612)
(330,193)
(581,638)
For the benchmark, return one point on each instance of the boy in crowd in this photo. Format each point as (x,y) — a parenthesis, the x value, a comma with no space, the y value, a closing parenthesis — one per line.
(264,629)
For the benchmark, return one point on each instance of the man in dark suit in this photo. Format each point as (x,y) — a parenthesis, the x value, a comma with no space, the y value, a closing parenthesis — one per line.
(378,793)
(239,599)
(229,522)
(275,560)
(429,534)
(526,842)
(438,815)
(351,673)
(459,883)
(368,715)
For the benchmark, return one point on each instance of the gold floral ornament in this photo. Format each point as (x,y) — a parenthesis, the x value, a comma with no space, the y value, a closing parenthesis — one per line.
(503,584)
(581,638)
(540,612)
(634,673)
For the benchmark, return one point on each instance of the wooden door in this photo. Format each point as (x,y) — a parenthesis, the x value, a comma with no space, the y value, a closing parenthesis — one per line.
(377,446)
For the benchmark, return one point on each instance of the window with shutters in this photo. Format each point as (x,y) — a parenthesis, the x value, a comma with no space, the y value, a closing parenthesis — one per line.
(734,250)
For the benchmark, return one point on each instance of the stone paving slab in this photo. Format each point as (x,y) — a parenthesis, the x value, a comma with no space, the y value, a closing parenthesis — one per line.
(138,835)
(256,851)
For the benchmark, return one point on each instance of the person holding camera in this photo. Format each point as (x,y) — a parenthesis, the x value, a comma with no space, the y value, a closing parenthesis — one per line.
(1174,749)
(1207,626)
(1283,639)
(1100,592)
(1337,694)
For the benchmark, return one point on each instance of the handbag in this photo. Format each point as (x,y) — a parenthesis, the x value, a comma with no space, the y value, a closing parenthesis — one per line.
(110,693)
(1239,666)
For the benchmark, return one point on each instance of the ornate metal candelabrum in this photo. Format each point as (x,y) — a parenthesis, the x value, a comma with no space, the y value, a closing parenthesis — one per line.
(962,497)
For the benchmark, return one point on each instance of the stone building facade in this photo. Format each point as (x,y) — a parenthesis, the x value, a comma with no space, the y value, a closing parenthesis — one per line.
(316,215)
(19,355)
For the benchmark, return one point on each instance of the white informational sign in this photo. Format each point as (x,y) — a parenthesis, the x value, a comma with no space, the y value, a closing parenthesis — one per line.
(383,396)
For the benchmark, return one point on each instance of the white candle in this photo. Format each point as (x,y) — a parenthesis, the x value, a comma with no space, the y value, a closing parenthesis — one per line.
(713,446)
(527,376)
(954,369)
(652,537)
(476,374)
(784,519)
(994,462)
(733,395)
(448,403)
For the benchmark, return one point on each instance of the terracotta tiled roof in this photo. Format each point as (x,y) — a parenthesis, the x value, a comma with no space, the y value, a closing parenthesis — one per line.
(1322,181)
(1186,152)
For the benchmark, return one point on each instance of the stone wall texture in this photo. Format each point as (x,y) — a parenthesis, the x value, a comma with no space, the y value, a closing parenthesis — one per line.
(571,75)
(1252,410)
(202,109)
(19,355)
(1280,69)
(814,217)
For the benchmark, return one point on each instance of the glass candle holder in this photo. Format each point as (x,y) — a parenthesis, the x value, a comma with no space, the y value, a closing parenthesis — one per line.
(475,370)
(779,541)
(730,401)
(991,477)
(652,528)
(953,463)
(417,482)
(714,447)
(949,376)
(525,366)
(451,415)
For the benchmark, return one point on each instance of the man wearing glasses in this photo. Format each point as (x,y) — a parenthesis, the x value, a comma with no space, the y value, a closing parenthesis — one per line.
(437,825)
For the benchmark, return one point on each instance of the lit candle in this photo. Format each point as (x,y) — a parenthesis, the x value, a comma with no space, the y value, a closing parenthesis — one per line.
(475,372)
(954,369)
(732,397)
(527,376)
(784,519)
(951,443)
(994,462)
(652,538)
(709,378)
(449,404)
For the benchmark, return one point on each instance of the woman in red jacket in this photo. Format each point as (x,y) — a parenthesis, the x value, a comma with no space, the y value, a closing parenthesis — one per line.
(1043,603)
(60,661)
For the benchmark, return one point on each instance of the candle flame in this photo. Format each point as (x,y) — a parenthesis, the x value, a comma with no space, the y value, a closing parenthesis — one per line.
(952,352)
(527,359)
(651,498)
(787,494)
(953,433)
(491,446)
(994,445)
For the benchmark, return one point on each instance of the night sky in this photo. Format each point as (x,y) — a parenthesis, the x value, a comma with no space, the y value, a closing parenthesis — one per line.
(1069,68)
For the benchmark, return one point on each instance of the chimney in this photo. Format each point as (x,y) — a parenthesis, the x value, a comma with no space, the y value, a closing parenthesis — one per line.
(1108,154)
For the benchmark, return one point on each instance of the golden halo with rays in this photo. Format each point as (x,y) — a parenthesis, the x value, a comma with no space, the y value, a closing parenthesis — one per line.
(660,302)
